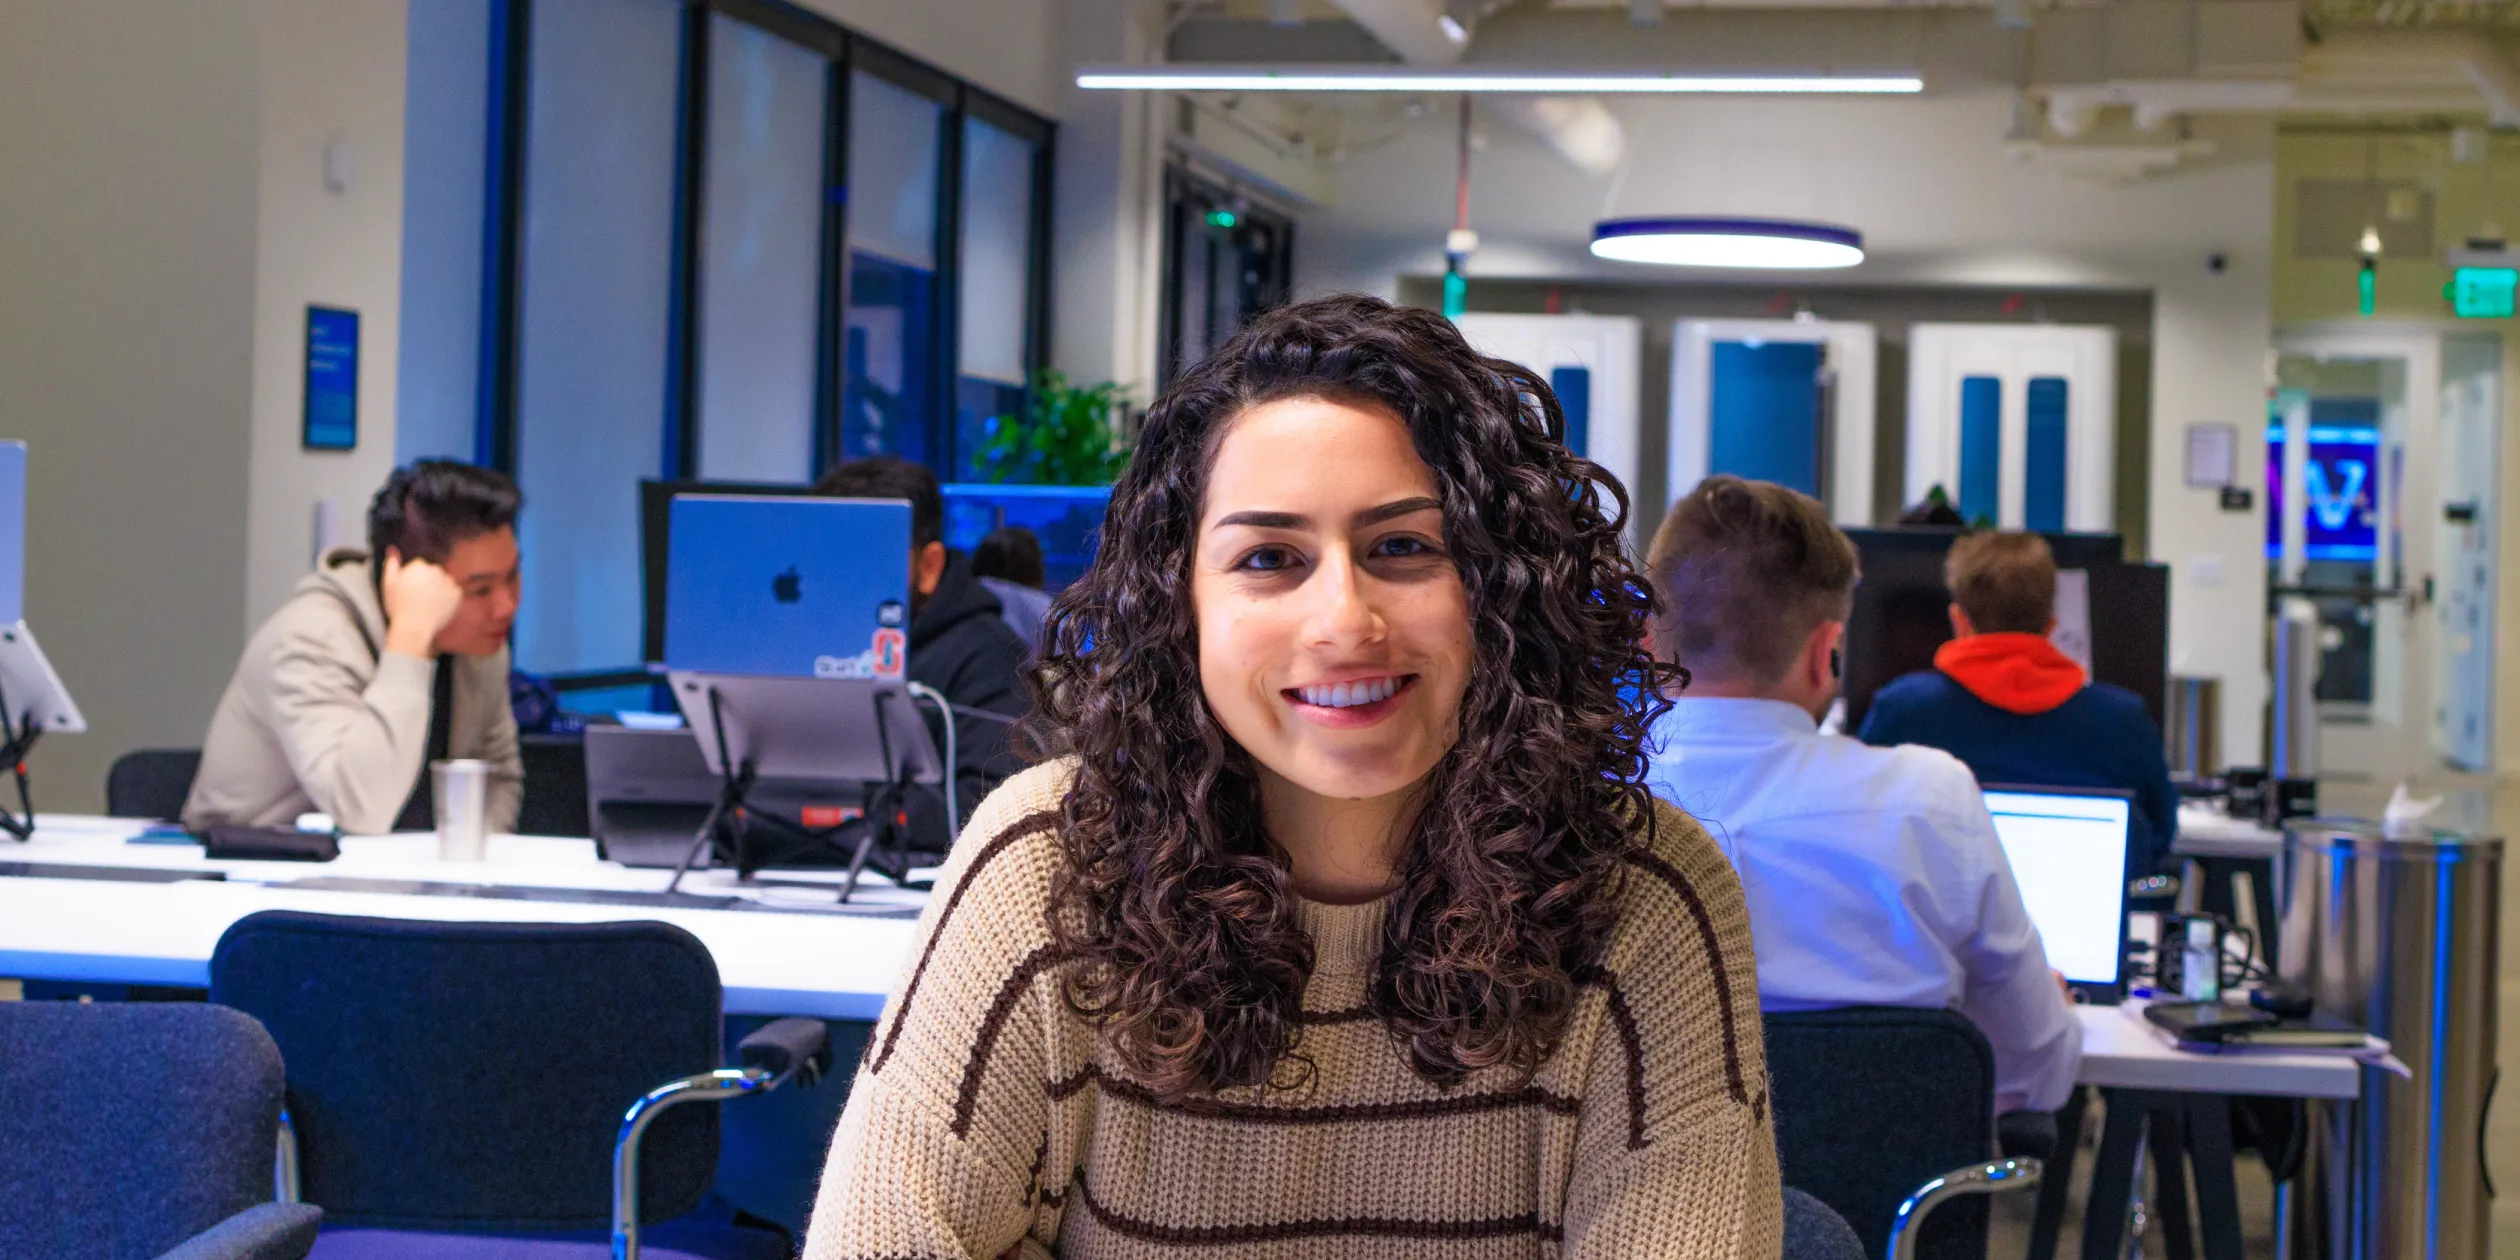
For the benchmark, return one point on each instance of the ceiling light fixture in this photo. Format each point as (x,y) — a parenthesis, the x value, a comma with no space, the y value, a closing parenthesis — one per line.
(1378,78)
(1765,244)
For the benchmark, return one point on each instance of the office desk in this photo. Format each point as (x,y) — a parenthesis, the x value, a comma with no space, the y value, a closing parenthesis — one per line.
(2206,833)
(2144,1076)
(778,959)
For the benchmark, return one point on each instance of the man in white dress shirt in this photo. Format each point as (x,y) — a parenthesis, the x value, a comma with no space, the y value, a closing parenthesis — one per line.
(1874,874)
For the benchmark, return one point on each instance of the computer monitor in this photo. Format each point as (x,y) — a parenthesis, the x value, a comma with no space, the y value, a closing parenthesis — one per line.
(789,587)
(2067,848)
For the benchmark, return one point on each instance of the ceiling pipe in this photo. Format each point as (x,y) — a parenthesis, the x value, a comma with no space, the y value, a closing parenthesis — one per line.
(1412,28)
(1579,129)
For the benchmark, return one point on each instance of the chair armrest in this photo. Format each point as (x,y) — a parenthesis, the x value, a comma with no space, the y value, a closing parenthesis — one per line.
(1991,1178)
(265,1231)
(788,1047)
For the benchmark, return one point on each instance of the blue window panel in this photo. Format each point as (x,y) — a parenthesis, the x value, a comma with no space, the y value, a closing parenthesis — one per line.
(1573,387)
(1981,448)
(2043,455)
(1763,412)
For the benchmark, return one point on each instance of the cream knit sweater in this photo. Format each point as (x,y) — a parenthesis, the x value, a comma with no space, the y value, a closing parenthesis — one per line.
(987,1121)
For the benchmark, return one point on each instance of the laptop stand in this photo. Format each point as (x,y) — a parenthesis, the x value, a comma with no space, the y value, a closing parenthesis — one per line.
(808,730)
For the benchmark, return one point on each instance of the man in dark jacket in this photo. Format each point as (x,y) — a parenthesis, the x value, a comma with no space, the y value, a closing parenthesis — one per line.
(2004,700)
(959,641)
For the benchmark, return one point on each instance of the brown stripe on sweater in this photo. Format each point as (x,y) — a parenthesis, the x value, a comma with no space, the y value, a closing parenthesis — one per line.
(1632,1043)
(1622,1019)
(994,1023)
(1029,824)
(1319,1227)
(1340,1015)
(1210,1107)
(1665,872)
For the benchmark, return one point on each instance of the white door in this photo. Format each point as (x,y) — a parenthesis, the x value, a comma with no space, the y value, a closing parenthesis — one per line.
(2471,401)
(2353,448)
(1590,362)
(2016,423)
(1789,401)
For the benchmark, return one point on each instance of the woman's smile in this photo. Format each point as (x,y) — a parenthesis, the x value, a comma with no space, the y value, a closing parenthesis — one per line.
(1353,704)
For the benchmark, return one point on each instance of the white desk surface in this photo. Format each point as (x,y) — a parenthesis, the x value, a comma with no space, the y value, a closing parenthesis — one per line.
(2121,1050)
(836,966)
(828,965)
(2209,833)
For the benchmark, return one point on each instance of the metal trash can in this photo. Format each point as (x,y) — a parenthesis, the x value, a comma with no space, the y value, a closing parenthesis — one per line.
(2401,933)
(2194,726)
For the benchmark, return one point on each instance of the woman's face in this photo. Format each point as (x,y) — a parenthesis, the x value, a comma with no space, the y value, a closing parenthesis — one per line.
(1334,631)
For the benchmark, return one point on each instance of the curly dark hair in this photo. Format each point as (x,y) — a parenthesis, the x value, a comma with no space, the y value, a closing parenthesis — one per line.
(1171,902)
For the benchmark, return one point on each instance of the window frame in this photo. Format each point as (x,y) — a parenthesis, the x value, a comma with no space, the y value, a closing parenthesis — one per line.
(845,52)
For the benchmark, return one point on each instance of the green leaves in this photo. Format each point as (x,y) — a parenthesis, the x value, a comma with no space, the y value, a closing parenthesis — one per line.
(1068,436)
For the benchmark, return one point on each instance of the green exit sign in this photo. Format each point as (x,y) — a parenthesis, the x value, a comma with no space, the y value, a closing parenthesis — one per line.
(2482,292)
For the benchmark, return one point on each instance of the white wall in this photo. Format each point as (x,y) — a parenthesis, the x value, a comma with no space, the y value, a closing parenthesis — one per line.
(129,139)
(1926,181)
(1010,47)
(332,76)
(1106,264)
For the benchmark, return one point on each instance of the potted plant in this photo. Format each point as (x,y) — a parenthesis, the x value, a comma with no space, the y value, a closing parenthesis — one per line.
(1068,435)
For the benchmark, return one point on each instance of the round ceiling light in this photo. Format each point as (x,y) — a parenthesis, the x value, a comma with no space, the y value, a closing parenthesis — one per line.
(1764,244)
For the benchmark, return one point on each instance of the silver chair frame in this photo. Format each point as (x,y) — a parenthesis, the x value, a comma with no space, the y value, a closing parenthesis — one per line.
(717,1086)
(1993,1177)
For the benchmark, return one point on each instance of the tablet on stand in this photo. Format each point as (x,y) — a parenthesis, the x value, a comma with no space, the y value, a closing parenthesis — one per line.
(32,702)
(753,728)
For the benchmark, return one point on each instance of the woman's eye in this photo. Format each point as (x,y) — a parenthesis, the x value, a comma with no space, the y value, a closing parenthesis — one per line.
(1402,546)
(1267,560)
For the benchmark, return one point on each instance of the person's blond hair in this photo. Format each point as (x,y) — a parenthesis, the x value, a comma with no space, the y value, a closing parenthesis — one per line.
(1746,570)
(2004,580)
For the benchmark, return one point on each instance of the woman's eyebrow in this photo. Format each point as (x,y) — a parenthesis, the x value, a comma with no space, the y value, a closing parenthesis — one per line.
(1264,520)
(1394,510)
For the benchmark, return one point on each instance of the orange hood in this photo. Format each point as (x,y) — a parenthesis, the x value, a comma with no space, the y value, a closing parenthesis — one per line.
(2018,673)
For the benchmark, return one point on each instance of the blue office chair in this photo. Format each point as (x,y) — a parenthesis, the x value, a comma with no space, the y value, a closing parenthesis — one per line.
(130,1131)
(506,1089)
(1813,1232)
(1886,1113)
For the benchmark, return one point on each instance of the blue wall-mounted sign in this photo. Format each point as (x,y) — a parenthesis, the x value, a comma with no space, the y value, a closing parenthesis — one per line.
(2340,481)
(332,379)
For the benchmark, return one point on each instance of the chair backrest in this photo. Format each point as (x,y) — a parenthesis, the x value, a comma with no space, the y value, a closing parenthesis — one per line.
(127,1128)
(474,1075)
(555,785)
(1873,1101)
(151,782)
(1814,1232)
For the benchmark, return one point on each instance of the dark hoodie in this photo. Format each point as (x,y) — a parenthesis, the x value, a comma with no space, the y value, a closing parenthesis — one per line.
(960,645)
(2019,712)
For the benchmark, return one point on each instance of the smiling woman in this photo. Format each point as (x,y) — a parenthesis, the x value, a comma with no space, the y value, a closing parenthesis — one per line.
(1337,921)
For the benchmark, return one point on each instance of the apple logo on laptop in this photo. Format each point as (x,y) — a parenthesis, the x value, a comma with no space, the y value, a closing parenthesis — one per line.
(787,588)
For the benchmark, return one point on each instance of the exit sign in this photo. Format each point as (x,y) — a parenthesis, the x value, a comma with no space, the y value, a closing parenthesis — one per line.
(2482,292)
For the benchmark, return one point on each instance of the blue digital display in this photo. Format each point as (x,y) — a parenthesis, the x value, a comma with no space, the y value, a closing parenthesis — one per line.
(2340,481)
(332,379)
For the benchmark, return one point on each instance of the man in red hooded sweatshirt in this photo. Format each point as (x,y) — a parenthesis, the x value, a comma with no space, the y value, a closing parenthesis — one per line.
(2016,710)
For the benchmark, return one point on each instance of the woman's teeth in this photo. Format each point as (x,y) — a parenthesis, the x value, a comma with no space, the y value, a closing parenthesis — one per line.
(1350,695)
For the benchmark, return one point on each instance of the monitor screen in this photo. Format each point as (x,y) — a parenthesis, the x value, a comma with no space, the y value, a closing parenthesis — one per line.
(2068,854)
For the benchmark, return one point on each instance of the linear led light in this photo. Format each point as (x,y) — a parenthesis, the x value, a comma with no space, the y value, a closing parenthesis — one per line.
(1237,78)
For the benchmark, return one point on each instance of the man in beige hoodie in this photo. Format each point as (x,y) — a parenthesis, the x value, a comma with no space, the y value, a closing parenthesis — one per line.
(380,662)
